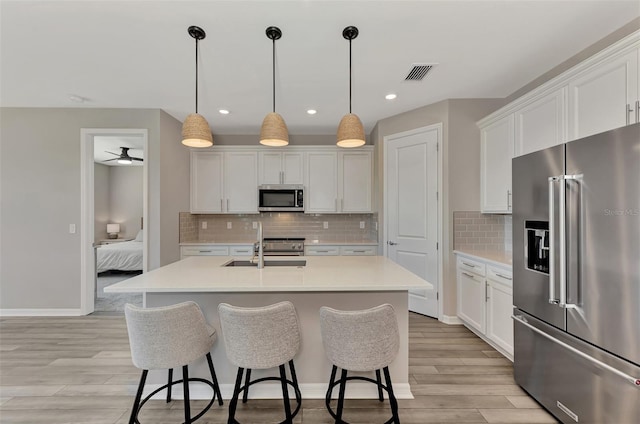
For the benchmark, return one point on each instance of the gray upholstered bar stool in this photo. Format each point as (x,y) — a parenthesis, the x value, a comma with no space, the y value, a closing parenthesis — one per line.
(360,341)
(261,338)
(168,337)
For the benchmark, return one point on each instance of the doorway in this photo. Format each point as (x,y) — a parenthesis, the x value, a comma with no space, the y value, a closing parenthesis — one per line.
(412,210)
(114,199)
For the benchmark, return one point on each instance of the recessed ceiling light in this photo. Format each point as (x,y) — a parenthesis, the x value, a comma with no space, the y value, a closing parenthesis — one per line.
(76,98)
(312,111)
(224,111)
(390,96)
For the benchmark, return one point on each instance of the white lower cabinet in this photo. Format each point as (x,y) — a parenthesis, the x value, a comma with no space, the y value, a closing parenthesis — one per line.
(485,301)
(341,250)
(216,250)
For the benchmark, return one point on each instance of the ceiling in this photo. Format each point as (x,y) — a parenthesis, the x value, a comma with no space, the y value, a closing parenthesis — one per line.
(137,54)
(102,144)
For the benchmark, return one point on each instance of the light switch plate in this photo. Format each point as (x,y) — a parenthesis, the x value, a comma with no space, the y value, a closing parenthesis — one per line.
(325,225)
(72,228)
(229,225)
(204,225)
(362,225)
(255,225)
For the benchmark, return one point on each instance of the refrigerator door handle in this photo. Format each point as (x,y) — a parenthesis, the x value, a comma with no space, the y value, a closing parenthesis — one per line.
(563,240)
(552,248)
(634,381)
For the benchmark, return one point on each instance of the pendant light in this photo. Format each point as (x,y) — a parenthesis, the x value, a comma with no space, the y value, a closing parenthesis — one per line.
(350,130)
(195,129)
(274,131)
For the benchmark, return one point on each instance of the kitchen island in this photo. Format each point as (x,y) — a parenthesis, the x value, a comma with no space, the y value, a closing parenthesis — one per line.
(341,282)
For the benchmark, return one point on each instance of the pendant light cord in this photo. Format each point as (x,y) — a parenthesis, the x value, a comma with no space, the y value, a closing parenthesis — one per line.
(273,72)
(196,75)
(350,72)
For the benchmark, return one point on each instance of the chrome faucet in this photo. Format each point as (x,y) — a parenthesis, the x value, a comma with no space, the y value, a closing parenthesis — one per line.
(260,247)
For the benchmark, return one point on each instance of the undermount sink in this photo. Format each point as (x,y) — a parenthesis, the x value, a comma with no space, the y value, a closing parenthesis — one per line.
(236,262)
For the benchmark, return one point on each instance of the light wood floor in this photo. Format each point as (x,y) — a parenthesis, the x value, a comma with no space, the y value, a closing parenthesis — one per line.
(78,370)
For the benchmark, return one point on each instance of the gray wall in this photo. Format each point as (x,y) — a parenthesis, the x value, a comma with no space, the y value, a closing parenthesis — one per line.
(100,200)
(40,197)
(175,183)
(461,167)
(125,194)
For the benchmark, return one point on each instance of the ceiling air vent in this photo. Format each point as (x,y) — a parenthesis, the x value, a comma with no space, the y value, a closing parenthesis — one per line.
(418,72)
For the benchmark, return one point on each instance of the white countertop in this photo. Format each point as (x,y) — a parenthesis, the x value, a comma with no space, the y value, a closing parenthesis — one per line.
(498,257)
(306,243)
(321,274)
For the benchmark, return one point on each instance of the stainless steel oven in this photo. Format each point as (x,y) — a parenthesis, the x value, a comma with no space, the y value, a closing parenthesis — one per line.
(283,246)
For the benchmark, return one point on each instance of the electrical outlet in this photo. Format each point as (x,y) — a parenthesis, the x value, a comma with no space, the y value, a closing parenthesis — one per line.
(325,225)
(229,225)
(204,225)
(362,225)
(255,225)
(376,225)
(72,228)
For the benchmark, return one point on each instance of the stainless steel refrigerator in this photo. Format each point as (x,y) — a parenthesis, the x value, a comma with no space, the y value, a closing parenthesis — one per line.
(576,285)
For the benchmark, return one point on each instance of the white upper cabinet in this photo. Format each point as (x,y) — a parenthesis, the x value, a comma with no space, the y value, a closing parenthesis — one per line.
(542,123)
(224,182)
(605,96)
(281,168)
(339,181)
(321,185)
(241,182)
(496,153)
(206,182)
(356,178)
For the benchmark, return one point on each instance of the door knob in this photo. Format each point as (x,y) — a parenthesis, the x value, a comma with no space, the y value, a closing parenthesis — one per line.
(391,243)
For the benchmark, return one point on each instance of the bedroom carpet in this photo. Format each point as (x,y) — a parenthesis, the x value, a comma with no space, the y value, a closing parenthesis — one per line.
(114,302)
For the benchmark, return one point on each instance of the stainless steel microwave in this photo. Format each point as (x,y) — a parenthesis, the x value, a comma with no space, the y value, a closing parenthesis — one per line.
(281,198)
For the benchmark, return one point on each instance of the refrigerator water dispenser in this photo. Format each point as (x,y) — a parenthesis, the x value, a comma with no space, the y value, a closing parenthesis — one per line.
(536,249)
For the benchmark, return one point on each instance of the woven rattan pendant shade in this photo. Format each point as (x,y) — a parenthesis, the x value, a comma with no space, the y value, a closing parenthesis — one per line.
(274,131)
(196,131)
(350,131)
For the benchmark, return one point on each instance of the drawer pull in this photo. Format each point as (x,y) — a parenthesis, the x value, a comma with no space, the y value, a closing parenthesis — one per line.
(359,251)
(469,275)
(204,251)
(468,264)
(503,276)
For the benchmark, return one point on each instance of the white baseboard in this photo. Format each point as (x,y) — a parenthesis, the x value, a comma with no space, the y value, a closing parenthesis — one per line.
(452,320)
(355,390)
(41,312)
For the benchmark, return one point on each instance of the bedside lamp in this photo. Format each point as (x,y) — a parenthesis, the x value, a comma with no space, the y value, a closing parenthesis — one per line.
(113,230)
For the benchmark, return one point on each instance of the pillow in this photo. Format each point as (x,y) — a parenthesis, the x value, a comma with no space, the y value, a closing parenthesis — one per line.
(139,236)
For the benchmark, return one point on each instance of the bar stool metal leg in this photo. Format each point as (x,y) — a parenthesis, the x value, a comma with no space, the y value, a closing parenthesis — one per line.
(392,397)
(214,378)
(187,404)
(343,386)
(247,379)
(234,399)
(285,395)
(136,402)
(169,385)
(379,380)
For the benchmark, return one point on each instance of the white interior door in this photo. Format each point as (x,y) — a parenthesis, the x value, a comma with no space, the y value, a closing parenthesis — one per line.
(412,210)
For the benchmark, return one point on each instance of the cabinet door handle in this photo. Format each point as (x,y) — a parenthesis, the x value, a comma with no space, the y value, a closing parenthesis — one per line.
(503,276)
(221,205)
(508,199)
(227,205)
(341,205)
(486,292)
(637,111)
(628,109)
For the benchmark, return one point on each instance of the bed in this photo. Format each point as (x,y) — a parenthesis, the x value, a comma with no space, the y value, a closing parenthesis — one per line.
(124,256)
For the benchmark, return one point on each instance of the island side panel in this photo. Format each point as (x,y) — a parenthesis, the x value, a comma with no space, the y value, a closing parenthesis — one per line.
(312,367)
